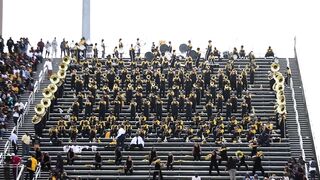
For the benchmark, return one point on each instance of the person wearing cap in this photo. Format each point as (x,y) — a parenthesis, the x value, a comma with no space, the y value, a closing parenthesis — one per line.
(26,140)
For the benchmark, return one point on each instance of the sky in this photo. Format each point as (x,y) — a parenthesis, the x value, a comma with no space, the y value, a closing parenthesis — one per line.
(228,23)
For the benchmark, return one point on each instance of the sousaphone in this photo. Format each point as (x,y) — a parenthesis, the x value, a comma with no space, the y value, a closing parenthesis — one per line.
(275,67)
(46,102)
(164,48)
(40,109)
(183,48)
(36,119)
(54,79)
(193,54)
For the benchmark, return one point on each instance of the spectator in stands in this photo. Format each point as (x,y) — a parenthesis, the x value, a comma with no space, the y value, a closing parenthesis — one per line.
(59,164)
(46,162)
(288,76)
(128,167)
(118,156)
(170,161)
(15,161)
(232,168)
(70,156)
(40,46)
(31,166)
(137,141)
(48,65)
(152,155)
(48,49)
(14,140)
(312,165)
(54,47)
(121,136)
(214,162)
(269,52)
(98,161)
(257,165)
(196,152)
(15,116)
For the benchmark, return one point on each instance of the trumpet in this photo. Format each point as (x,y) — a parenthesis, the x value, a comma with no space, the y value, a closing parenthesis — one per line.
(40,109)
(54,78)
(46,102)
(275,67)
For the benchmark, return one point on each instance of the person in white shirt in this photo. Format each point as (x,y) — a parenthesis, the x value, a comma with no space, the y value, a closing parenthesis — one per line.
(20,106)
(13,139)
(137,141)
(16,115)
(54,47)
(312,165)
(121,136)
(48,65)
(48,47)
(196,177)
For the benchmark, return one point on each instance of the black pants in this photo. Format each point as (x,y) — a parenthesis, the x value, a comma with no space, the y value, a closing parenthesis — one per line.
(130,170)
(196,157)
(215,165)
(169,166)
(98,165)
(257,168)
(157,172)
(31,174)
(242,164)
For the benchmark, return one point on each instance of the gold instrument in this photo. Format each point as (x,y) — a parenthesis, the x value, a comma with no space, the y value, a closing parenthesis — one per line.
(279,87)
(61,74)
(281,109)
(281,100)
(54,78)
(36,119)
(239,154)
(63,66)
(275,67)
(46,102)
(66,60)
(40,109)
(53,88)
(46,92)
(208,157)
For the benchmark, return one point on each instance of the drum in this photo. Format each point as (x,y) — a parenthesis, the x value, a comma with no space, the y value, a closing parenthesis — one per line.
(149,56)
(193,54)
(183,48)
(164,48)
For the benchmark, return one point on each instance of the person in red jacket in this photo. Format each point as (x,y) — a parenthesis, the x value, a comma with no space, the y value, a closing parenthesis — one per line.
(15,161)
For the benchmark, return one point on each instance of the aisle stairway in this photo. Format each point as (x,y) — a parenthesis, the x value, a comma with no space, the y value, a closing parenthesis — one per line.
(263,101)
(27,126)
(306,134)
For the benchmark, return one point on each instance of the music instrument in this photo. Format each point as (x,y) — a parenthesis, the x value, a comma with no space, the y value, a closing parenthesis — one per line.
(40,109)
(63,66)
(193,54)
(183,48)
(164,48)
(36,119)
(61,74)
(46,92)
(46,102)
(66,60)
(275,67)
(149,56)
(281,109)
(54,78)
(53,88)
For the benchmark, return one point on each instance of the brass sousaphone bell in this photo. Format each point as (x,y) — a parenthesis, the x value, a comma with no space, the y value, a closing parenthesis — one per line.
(53,88)
(275,67)
(47,93)
(40,109)
(46,102)
(54,78)
(66,60)
(61,74)
(281,100)
(36,119)
(63,66)
(281,109)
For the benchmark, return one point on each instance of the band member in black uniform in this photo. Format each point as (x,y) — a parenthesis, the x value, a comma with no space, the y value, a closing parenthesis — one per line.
(216,53)
(239,88)
(98,78)
(228,109)
(198,57)
(242,160)
(206,78)
(220,101)
(87,109)
(252,71)
(117,108)
(189,48)
(209,50)
(170,161)
(213,91)
(80,101)
(170,95)
(86,77)
(196,152)
(173,59)
(188,86)
(170,46)
(242,53)
(193,99)
(73,79)
(146,108)
(244,80)
(235,52)
(175,108)
(234,102)
(129,93)
(214,162)
(257,164)
(188,110)
(139,101)
(223,153)
(248,98)
(75,109)
(157,170)
(244,108)
(209,109)
(182,99)
(102,109)
(282,124)
(79,86)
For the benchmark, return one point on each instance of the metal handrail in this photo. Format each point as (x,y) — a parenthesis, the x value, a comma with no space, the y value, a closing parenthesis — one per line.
(38,172)
(21,172)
